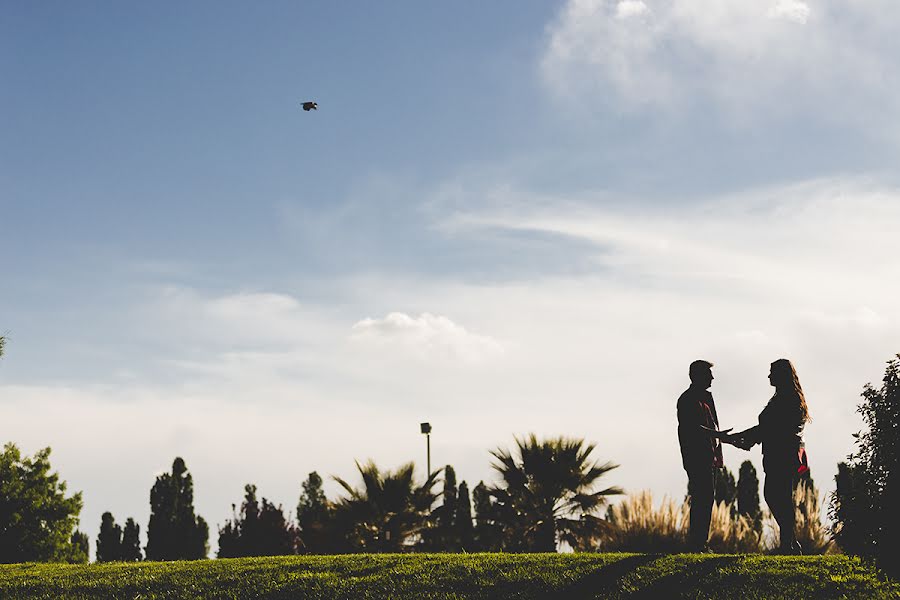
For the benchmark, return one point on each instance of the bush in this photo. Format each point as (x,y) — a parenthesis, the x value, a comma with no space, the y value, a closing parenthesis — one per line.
(864,507)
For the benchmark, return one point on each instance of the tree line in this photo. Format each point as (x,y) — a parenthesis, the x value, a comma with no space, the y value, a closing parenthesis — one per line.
(547,493)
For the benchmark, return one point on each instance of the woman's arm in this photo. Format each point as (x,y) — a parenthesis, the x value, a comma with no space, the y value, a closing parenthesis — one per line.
(744,439)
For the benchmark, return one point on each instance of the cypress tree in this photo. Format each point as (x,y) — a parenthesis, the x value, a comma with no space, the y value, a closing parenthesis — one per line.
(109,540)
(748,494)
(131,542)
(465,529)
(725,486)
(446,535)
(174,531)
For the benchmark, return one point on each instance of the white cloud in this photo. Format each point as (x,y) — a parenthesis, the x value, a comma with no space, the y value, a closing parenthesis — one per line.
(750,60)
(627,9)
(427,336)
(791,10)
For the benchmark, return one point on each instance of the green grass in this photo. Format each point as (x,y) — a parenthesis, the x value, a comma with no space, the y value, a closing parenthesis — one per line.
(447,576)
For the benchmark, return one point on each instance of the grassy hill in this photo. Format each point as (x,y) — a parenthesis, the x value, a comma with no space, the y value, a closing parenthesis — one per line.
(446,576)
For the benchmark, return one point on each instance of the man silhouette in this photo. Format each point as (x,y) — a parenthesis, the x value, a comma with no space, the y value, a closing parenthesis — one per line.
(701,453)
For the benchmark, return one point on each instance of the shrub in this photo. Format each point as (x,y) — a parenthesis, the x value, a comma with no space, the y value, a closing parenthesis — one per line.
(864,507)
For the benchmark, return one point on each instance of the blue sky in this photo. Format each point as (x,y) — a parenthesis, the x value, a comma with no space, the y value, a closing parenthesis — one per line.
(503,218)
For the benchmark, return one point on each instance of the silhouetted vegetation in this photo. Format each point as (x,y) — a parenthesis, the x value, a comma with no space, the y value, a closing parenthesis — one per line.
(388,513)
(748,494)
(488,529)
(315,519)
(440,535)
(724,486)
(547,495)
(450,524)
(261,529)
(81,548)
(131,541)
(116,544)
(174,531)
(864,507)
(109,540)
(465,528)
(37,519)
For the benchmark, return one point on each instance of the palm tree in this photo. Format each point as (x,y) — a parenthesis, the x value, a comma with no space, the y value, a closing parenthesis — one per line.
(388,512)
(546,494)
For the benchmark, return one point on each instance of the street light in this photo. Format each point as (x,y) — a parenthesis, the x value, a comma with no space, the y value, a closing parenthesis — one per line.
(426,429)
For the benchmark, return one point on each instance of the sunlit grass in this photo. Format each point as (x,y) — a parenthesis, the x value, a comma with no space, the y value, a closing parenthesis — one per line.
(453,576)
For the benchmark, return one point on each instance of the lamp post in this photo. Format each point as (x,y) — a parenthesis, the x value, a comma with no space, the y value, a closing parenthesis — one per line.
(426,429)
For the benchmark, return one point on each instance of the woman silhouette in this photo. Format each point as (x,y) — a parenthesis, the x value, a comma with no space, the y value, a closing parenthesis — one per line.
(780,432)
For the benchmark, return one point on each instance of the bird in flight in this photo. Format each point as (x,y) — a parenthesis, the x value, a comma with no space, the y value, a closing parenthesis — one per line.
(307,106)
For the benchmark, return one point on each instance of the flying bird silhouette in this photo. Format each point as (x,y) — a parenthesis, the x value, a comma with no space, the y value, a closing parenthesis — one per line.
(310,106)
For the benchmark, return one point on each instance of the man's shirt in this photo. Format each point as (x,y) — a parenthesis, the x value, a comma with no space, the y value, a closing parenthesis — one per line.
(699,450)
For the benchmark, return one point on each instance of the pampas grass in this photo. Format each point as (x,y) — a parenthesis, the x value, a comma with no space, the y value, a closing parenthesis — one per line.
(636,525)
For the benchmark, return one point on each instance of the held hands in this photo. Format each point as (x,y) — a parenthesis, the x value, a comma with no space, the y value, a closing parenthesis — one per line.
(738,441)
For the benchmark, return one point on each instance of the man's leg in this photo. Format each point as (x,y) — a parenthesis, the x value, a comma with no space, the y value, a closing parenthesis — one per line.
(700,488)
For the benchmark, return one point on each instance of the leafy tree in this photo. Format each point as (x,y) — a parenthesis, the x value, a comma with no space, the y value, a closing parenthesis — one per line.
(314,518)
(465,530)
(864,507)
(388,513)
(109,540)
(259,530)
(174,531)
(131,541)
(748,494)
(547,495)
(2,344)
(37,519)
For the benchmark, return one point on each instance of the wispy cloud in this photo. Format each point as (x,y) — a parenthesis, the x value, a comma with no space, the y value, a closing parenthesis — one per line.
(802,239)
(747,60)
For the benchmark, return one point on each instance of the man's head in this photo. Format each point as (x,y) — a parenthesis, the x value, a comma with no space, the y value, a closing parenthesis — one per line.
(701,373)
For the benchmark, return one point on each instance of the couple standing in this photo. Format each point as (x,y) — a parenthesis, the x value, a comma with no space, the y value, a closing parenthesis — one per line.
(779,431)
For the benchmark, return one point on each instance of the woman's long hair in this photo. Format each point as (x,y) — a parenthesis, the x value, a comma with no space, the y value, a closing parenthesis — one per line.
(787,384)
